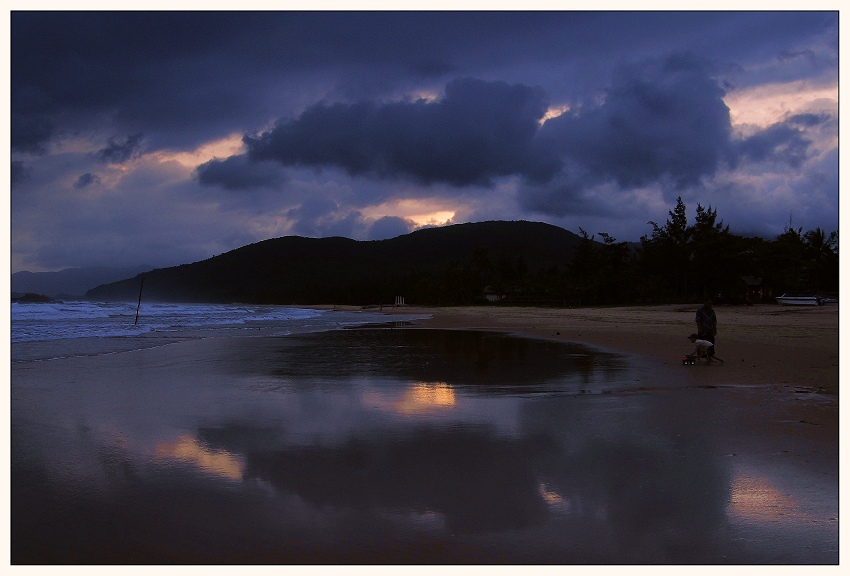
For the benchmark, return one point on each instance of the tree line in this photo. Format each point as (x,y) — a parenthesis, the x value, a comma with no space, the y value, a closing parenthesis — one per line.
(678,261)
(519,263)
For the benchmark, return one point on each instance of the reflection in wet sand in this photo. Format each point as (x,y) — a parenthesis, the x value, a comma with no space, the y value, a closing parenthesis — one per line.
(416,399)
(488,363)
(554,500)
(385,446)
(425,397)
(187,449)
(757,500)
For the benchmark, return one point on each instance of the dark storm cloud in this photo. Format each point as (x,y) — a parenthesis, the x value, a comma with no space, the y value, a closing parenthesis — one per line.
(321,216)
(808,120)
(783,142)
(478,131)
(237,173)
(120,150)
(19,172)
(780,143)
(658,120)
(559,197)
(183,77)
(318,216)
(389,227)
(86,180)
(31,124)
(169,74)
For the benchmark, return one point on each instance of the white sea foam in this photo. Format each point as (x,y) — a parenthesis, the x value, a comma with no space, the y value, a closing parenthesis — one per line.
(60,320)
(97,327)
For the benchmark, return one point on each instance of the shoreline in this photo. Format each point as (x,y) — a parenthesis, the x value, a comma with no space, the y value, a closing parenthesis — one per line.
(758,434)
(781,363)
(760,344)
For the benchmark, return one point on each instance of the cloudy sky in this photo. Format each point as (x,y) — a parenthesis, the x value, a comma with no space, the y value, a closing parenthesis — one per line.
(163,138)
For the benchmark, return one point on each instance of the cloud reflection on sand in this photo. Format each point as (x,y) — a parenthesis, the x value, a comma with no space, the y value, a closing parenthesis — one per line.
(416,398)
(379,446)
(187,449)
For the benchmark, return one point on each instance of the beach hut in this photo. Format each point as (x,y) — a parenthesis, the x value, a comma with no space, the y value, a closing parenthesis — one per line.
(491,295)
(754,290)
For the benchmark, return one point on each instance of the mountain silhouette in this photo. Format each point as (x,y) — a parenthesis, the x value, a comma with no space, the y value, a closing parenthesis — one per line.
(445,265)
(71,282)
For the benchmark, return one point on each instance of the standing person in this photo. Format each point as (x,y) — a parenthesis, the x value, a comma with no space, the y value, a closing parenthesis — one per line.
(706,321)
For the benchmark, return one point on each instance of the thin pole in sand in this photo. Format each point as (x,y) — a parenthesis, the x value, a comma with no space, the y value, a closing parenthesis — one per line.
(139,305)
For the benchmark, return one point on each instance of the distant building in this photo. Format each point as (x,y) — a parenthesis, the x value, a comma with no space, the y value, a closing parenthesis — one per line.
(492,295)
(747,290)
(754,289)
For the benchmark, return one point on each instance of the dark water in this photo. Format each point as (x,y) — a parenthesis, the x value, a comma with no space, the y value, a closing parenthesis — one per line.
(391,446)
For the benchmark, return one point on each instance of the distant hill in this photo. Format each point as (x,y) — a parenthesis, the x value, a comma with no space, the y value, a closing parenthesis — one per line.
(71,281)
(446,265)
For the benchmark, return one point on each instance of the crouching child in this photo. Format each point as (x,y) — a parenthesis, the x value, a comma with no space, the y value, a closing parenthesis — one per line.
(702,348)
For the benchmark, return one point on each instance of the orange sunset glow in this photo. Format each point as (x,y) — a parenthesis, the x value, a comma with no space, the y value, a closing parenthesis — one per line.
(188,450)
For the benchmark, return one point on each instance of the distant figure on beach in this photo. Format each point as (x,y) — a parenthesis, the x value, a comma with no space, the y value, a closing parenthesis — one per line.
(702,348)
(706,321)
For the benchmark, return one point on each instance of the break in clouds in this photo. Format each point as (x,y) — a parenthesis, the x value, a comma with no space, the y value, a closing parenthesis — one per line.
(201,132)
(658,122)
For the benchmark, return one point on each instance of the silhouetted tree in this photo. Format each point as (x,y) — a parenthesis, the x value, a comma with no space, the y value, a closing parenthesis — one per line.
(820,256)
(583,269)
(784,261)
(689,262)
(615,279)
(665,255)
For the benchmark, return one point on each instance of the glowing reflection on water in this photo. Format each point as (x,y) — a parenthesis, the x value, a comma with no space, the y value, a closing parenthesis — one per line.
(383,446)
(555,501)
(416,398)
(187,449)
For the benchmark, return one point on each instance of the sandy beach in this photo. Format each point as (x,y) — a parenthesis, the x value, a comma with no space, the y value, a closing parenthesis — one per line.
(791,350)
(785,346)
(345,446)
(780,378)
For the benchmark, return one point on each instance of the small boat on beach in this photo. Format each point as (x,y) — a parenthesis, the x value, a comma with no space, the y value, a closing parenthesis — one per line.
(790,300)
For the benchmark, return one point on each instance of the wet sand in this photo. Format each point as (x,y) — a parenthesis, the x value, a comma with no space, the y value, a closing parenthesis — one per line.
(761,344)
(792,350)
(338,448)
(777,392)
(778,387)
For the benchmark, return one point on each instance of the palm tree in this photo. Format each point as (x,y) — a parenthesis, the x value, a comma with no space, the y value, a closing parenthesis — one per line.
(820,249)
